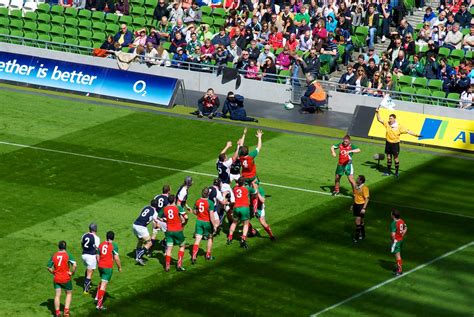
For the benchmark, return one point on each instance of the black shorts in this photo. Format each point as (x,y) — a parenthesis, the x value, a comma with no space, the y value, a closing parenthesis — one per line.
(392,148)
(356,209)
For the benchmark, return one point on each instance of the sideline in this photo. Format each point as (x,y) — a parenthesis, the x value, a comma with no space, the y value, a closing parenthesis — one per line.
(211,175)
(373,288)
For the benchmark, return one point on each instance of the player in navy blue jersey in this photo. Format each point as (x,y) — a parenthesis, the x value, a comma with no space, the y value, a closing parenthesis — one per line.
(159,202)
(89,244)
(140,229)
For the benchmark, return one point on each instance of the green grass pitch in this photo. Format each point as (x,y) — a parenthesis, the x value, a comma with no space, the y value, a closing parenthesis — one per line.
(51,195)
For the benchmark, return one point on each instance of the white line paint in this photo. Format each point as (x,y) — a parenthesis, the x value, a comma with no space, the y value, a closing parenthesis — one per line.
(211,175)
(373,288)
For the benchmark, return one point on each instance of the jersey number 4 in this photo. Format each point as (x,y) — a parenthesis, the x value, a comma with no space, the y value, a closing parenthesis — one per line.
(245,163)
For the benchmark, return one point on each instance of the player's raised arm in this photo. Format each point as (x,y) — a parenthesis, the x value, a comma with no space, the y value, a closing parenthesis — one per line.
(259,137)
(227,146)
(379,119)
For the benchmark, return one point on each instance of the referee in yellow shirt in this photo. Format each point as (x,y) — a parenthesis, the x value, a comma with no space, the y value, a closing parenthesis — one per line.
(361,200)
(392,144)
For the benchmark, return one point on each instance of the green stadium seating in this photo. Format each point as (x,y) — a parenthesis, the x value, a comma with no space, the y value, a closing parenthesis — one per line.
(407,90)
(30,26)
(71,12)
(57,10)
(138,23)
(16,24)
(443,52)
(4,22)
(43,28)
(30,16)
(149,14)
(16,15)
(84,14)
(58,39)
(57,30)
(126,19)
(84,35)
(219,12)
(99,37)
(420,82)
(219,22)
(85,43)
(43,8)
(206,10)
(207,20)
(282,76)
(72,41)
(58,20)
(44,37)
(98,26)
(151,4)
(404,81)
(71,22)
(112,28)
(18,33)
(137,3)
(423,95)
(85,25)
(455,57)
(4,31)
(71,33)
(470,55)
(455,96)
(31,35)
(166,45)
(3,12)
(112,18)
(44,18)
(435,84)
(98,16)
(438,94)
(138,11)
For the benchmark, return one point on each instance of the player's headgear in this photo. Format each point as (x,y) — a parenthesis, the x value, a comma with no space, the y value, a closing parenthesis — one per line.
(188,181)
(205,192)
(241,181)
(396,213)
(217,182)
(62,245)
(93,227)
(110,235)
(166,189)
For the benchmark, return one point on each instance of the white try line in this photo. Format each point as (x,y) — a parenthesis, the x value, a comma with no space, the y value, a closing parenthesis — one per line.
(212,175)
(373,288)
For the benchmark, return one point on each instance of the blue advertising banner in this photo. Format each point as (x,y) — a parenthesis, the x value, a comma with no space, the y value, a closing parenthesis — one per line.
(89,79)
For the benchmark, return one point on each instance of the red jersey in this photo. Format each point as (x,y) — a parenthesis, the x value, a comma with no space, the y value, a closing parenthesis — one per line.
(106,252)
(61,261)
(345,157)
(398,226)
(242,198)
(249,169)
(173,219)
(204,207)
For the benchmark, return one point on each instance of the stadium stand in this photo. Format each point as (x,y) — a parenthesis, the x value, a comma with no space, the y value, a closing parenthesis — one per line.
(438,50)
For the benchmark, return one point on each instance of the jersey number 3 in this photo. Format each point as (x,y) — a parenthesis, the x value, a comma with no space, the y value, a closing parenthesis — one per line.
(239,191)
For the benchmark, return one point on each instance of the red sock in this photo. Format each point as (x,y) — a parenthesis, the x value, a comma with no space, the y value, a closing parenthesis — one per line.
(269,231)
(66,311)
(58,312)
(195,251)
(244,237)
(168,260)
(208,254)
(229,237)
(336,188)
(180,258)
(399,264)
(100,299)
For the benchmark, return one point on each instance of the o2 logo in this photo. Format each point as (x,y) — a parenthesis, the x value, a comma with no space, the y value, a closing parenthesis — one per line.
(140,87)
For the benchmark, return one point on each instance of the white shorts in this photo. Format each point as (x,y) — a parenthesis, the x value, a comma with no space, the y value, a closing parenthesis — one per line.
(90,261)
(140,231)
(234,177)
(226,188)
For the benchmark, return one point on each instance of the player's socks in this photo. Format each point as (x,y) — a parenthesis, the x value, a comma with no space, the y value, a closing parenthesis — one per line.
(244,237)
(208,254)
(397,165)
(167,262)
(269,231)
(336,188)
(229,237)
(362,231)
(399,265)
(87,285)
(140,254)
(195,251)
(97,293)
(66,312)
(389,168)
(100,298)
(358,231)
(180,258)
(58,312)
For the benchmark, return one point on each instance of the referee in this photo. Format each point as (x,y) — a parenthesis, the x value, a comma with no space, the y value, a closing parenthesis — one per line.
(392,144)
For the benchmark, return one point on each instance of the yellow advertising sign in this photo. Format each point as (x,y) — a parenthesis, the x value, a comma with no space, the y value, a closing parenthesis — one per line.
(434,130)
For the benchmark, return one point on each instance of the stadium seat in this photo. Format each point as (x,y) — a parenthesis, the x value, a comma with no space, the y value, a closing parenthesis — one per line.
(455,102)
(219,22)
(137,11)
(43,28)
(112,28)
(44,37)
(71,33)
(166,46)
(221,12)
(470,55)
(112,18)
(71,12)
(151,4)
(421,49)
(423,95)
(58,20)
(404,81)
(360,36)
(407,90)
(72,41)
(149,15)
(3,12)
(438,94)
(58,39)
(85,43)
(43,18)
(126,19)
(456,57)
(84,35)
(98,16)
(16,14)
(43,8)
(98,26)
(84,15)
(206,11)
(57,30)
(30,16)
(30,35)
(99,37)
(30,26)
(16,25)
(72,22)
(443,52)
(207,20)
(420,82)
(4,22)
(57,10)
(282,76)
(137,3)
(85,25)
(4,31)
(138,23)
(16,33)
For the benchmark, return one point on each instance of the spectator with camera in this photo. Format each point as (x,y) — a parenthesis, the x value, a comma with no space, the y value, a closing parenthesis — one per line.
(234,106)
(208,104)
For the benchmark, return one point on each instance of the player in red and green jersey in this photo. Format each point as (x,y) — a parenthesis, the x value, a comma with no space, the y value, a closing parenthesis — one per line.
(106,255)
(260,211)
(247,160)
(241,213)
(176,217)
(206,224)
(398,228)
(59,266)
(344,165)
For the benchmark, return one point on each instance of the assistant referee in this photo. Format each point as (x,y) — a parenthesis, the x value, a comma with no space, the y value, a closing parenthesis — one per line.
(392,144)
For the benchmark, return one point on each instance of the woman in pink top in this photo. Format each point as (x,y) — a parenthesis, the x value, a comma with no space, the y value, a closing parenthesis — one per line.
(140,39)
(252,71)
(283,61)
(320,35)
(208,49)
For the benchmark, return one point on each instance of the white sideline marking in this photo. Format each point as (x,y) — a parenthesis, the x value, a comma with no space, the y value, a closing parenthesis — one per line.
(212,175)
(373,288)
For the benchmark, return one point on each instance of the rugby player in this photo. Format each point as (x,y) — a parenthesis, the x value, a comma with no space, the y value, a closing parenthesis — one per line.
(204,210)
(344,165)
(89,244)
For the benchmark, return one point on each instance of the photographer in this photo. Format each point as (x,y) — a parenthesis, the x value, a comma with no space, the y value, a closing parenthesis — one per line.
(208,104)
(234,104)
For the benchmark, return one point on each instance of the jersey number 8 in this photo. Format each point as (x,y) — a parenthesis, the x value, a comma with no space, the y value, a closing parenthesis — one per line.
(170,214)
(145,212)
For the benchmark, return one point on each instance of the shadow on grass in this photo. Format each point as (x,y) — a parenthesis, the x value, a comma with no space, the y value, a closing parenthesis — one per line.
(386,265)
